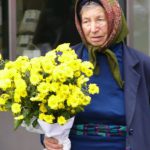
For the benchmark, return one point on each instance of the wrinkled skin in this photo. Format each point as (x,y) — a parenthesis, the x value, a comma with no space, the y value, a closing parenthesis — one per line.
(94,25)
(52,144)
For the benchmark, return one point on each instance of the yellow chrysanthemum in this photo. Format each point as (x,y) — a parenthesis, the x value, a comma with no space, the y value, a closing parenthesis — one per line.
(21,92)
(5,84)
(62,73)
(47,65)
(36,64)
(53,102)
(61,96)
(17,97)
(61,106)
(67,57)
(86,100)
(51,55)
(75,64)
(88,72)
(88,65)
(64,89)
(3,108)
(54,86)
(43,87)
(17,75)
(9,65)
(43,108)
(16,108)
(81,80)
(11,73)
(4,74)
(73,101)
(35,78)
(61,120)
(63,47)
(49,79)
(77,73)
(26,67)
(5,96)
(39,97)
(20,83)
(20,117)
(49,118)
(22,59)
(93,89)
(2,101)
(41,116)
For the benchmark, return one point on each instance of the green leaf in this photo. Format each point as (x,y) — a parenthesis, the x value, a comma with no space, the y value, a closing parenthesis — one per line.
(36,112)
(17,123)
(28,121)
(26,112)
(79,109)
(35,123)
(8,105)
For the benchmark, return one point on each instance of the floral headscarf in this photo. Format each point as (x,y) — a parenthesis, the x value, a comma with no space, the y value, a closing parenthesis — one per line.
(117,31)
(117,27)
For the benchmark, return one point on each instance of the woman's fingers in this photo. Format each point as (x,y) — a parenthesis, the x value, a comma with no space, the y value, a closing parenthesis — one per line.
(52,144)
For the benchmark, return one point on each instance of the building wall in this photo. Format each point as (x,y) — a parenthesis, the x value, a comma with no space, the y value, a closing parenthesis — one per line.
(16,140)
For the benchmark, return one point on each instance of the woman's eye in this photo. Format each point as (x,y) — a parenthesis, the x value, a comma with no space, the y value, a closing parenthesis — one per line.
(100,19)
(85,21)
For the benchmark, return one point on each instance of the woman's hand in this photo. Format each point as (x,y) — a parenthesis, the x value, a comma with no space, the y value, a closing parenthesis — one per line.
(52,144)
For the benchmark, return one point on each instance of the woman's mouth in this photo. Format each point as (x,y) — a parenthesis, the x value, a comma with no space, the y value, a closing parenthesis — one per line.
(97,38)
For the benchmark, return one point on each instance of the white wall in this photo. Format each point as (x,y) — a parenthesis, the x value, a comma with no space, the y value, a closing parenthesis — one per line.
(16,140)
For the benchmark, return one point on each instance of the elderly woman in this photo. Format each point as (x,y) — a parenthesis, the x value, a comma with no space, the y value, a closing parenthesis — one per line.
(119,117)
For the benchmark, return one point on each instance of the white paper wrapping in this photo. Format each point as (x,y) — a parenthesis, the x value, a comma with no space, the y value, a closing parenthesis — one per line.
(59,132)
(30,127)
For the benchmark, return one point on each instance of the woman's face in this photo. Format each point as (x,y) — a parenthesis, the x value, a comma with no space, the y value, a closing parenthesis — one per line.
(94,25)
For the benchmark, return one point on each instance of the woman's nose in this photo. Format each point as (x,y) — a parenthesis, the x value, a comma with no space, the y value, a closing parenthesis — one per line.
(94,27)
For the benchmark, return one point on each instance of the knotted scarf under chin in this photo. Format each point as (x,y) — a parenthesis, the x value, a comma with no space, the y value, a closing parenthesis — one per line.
(117,31)
(112,60)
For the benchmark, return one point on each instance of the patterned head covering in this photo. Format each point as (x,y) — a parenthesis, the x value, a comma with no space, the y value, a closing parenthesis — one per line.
(117,27)
(117,31)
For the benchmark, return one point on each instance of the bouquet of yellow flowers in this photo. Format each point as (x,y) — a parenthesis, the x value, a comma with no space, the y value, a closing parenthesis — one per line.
(49,89)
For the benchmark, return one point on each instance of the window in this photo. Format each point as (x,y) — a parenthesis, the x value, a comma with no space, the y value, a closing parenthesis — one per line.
(43,24)
(139,24)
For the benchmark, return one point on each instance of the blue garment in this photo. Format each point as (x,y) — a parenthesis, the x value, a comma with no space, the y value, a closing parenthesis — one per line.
(137,100)
(105,108)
